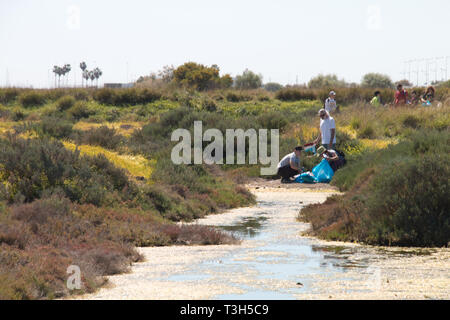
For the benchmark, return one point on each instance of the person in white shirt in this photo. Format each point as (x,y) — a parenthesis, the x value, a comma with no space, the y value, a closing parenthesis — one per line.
(327,130)
(289,166)
(330,103)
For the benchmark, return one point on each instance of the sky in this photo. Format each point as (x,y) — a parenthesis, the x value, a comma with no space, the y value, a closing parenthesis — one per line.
(287,41)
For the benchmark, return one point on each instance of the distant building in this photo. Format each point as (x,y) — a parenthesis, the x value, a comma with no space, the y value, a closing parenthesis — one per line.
(118,85)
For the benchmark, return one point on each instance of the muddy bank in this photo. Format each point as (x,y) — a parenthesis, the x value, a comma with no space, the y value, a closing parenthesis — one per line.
(275,261)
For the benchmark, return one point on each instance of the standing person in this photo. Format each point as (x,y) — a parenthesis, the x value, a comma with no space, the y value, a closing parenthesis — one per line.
(289,166)
(428,97)
(327,130)
(401,96)
(330,103)
(376,100)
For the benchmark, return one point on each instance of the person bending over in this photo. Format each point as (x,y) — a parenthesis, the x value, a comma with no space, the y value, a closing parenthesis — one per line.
(289,166)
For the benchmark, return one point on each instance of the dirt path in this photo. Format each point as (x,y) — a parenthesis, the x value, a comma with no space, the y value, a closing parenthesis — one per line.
(275,262)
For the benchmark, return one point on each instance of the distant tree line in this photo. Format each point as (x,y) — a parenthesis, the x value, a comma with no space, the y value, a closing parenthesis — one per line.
(200,77)
(87,75)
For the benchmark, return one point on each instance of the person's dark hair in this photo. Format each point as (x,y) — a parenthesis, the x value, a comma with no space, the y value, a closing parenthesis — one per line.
(377,93)
(399,86)
(414,91)
(430,88)
(298,148)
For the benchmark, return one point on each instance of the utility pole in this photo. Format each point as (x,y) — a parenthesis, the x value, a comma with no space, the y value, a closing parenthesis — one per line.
(404,69)
(425,71)
(444,69)
(127,71)
(417,71)
(435,69)
(409,70)
(8,84)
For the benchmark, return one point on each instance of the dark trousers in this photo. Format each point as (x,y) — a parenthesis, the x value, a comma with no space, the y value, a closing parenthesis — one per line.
(286,172)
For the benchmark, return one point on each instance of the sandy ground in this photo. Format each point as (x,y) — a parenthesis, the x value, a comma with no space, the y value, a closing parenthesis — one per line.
(279,263)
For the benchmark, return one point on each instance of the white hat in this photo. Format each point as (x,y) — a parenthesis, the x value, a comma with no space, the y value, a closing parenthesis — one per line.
(332,93)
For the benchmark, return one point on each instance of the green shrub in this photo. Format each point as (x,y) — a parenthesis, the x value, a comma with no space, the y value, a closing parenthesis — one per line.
(148,96)
(65,102)
(273,120)
(409,203)
(8,95)
(129,96)
(105,96)
(17,114)
(4,112)
(344,141)
(367,132)
(396,196)
(81,95)
(38,167)
(355,123)
(209,105)
(30,99)
(234,96)
(80,110)
(54,127)
(295,94)
(102,136)
(411,121)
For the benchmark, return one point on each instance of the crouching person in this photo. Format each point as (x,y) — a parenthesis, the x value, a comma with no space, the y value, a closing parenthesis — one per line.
(336,159)
(289,166)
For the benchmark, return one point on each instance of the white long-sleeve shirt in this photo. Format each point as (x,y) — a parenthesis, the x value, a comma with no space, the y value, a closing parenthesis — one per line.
(330,105)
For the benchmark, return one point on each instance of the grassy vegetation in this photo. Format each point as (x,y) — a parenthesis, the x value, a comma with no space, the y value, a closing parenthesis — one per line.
(396,194)
(85,175)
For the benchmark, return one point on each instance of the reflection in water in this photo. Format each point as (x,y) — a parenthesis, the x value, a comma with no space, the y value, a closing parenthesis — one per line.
(249,227)
(278,255)
(338,256)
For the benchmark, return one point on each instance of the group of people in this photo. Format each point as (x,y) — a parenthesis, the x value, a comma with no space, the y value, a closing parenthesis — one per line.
(290,166)
(402,97)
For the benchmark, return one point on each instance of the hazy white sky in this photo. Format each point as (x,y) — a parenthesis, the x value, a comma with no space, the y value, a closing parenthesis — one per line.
(280,39)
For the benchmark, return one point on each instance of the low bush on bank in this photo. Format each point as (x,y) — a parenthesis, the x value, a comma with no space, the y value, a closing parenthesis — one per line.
(397,196)
(33,168)
(41,239)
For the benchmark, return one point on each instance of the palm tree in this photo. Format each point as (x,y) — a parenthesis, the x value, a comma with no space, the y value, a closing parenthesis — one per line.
(86,76)
(92,76)
(97,74)
(66,69)
(56,72)
(83,67)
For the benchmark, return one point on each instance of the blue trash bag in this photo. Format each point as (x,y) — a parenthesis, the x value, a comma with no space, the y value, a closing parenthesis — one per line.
(323,172)
(306,177)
